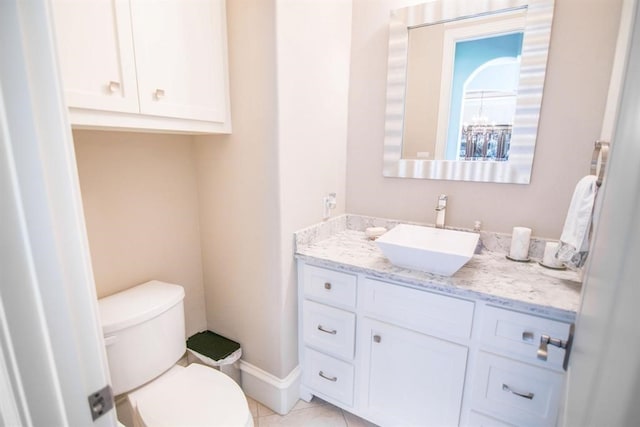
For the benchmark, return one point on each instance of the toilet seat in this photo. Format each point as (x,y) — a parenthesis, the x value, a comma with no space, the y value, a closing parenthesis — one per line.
(193,396)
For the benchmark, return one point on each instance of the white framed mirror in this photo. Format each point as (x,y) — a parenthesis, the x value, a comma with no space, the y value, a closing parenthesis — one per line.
(464,89)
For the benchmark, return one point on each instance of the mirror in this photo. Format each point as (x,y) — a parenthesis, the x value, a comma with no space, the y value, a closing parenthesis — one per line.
(464,89)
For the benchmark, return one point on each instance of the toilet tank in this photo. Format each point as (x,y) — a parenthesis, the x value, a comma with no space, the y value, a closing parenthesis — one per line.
(144,332)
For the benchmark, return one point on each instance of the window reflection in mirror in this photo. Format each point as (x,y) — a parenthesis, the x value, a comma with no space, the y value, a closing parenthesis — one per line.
(483,98)
(462,107)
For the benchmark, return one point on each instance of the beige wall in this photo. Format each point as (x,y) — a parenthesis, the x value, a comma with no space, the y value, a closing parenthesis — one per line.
(423,94)
(582,46)
(313,91)
(289,91)
(239,201)
(140,202)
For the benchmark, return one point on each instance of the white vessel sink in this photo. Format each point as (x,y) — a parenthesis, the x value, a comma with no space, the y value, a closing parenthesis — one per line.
(433,250)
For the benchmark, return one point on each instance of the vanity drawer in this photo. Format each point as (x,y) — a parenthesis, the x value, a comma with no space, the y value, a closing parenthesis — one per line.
(329,376)
(330,286)
(516,392)
(330,329)
(421,311)
(518,334)
(477,419)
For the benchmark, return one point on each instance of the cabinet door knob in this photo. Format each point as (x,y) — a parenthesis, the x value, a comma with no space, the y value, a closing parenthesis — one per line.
(113,86)
(159,94)
(527,336)
(327,285)
(332,379)
(377,338)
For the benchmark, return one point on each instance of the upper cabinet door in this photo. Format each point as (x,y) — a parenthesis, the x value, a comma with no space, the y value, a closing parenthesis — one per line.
(96,54)
(181,58)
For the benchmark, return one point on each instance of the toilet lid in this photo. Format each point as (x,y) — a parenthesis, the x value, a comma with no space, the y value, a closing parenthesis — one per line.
(194,396)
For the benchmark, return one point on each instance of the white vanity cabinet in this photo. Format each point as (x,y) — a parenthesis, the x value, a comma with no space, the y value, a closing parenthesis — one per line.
(508,383)
(134,64)
(327,333)
(414,347)
(394,355)
(401,355)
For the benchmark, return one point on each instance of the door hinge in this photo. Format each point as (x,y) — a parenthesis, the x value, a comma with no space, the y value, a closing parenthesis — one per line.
(101,402)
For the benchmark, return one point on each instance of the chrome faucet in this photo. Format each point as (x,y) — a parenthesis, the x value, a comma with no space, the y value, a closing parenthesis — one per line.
(441,209)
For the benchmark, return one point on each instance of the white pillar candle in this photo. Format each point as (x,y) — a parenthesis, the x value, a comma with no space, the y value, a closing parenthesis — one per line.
(520,243)
(549,259)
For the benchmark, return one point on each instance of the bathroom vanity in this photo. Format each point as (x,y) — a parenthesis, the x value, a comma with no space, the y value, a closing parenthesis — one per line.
(401,347)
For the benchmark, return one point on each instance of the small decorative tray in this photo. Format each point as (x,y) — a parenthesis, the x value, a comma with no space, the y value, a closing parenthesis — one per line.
(562,267)
(517,260)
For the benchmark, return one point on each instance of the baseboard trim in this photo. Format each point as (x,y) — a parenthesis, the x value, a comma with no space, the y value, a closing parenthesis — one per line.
(280,395)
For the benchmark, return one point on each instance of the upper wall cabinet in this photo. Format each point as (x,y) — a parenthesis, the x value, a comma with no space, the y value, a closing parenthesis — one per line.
(141,65)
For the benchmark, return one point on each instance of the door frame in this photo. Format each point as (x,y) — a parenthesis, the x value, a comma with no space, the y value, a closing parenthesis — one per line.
(603,379)
(53,354)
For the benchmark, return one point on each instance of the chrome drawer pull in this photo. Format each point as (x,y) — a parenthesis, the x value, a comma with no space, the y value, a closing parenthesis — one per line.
(332,379)
(527,336)
(327,331)
(525,395)
(327,285)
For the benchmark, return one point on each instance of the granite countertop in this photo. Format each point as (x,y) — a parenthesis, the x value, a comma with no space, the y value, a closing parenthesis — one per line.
(488,276)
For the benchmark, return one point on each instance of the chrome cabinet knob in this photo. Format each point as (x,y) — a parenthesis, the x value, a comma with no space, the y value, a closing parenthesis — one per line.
(159,94)
(528,336)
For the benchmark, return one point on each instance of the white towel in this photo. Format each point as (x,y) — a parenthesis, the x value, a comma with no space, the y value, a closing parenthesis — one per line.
(574,241)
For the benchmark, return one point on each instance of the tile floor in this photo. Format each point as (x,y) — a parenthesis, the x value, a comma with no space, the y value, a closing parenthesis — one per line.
(316,413)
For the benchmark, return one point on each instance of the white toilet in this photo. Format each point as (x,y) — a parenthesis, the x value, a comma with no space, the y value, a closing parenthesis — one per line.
(144,334)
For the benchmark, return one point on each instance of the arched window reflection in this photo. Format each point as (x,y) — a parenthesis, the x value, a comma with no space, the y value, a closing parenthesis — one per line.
(483,97)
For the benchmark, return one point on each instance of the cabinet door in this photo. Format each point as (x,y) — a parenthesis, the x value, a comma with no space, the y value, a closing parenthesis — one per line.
(95,53)
(181,58)
(414,379)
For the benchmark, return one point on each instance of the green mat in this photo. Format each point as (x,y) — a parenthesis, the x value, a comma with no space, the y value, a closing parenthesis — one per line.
(212,345)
